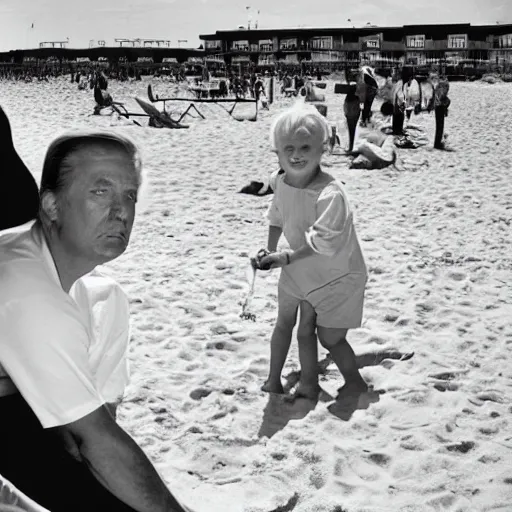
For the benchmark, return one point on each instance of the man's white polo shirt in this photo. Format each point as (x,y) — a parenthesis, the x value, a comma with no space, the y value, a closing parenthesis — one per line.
(65,353)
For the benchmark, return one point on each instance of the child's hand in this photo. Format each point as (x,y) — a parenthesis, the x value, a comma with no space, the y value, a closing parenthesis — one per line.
(275,260)
(256,260)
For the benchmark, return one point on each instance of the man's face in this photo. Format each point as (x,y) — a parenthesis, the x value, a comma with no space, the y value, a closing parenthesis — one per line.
(300,153)
(97,209)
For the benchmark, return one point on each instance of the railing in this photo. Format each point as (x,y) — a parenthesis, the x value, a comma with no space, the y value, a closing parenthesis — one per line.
(392,46)
(479,45)
(350,47)
(436,45)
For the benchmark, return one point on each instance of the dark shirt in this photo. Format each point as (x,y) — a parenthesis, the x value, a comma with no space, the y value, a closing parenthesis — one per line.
(20,202)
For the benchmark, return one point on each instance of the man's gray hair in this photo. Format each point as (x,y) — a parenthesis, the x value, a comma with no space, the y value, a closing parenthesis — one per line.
(58,170)
(55,170)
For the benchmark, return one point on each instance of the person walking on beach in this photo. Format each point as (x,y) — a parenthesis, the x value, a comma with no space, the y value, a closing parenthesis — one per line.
(64,330)
(352,111)
(325,269)
(441,104)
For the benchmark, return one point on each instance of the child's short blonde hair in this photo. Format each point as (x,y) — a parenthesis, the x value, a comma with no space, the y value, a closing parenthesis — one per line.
(299,117)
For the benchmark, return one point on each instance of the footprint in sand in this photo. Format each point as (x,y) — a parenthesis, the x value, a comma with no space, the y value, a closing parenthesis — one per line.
(221,345)
(491,396)
(446,386)
(462,447)
(443,381)
(381,459)
(199,393)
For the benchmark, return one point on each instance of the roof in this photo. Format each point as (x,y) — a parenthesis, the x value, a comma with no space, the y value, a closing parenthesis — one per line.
(262,32)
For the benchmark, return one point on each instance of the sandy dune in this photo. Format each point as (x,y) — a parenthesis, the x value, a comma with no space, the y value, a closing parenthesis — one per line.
(436,234)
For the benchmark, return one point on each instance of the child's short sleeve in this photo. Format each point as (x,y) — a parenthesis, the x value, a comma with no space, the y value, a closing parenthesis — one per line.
(273,214)
(328,234)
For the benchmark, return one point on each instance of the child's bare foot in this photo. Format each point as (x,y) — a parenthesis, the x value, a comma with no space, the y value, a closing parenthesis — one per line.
(355,387)
(273,387)
(307,391)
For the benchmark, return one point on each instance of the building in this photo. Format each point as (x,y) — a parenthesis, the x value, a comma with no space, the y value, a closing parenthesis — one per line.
(450,44)
(149,51)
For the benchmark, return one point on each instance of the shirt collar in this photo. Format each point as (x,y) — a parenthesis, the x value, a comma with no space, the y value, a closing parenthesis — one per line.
(46,255)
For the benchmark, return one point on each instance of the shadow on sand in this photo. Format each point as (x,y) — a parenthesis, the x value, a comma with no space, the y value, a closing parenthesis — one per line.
(280,409)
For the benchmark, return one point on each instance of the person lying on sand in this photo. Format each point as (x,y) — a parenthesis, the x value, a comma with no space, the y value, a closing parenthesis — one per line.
(64,337)
(325,266)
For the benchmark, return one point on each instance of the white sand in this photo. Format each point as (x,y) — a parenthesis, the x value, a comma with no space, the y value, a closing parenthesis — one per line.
(437,238)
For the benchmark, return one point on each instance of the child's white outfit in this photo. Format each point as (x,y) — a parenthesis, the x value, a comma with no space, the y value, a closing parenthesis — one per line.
(333,279)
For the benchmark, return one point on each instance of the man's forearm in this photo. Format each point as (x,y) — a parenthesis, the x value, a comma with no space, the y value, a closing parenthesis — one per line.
(121,466)
(274,234)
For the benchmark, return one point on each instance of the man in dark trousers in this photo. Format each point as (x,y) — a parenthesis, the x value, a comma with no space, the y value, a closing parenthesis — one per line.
(441,104)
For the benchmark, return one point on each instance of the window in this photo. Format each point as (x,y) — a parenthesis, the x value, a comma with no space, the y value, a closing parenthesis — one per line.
(505,41)
(324,42)
(415,58)
(457,41)
(266,60)
(292,57)
(453,57)
(266,45)
(240,45)
(288,44)
(416,41)
(370,43)
(213,45)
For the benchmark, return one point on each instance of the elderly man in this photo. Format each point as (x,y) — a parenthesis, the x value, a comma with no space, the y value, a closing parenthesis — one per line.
(64,335)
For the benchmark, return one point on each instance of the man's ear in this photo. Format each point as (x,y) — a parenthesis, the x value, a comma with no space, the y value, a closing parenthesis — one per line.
(49,206)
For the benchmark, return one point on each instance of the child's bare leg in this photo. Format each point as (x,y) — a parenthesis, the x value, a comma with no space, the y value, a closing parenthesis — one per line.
(308,353)
(335,341)
(281,340)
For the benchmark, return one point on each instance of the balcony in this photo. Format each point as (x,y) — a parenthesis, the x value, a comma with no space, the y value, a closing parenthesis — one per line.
(288,48)
(318,48)
(351,47)
(479,45)
(240,49)
(213,49)
(393,46)
(436,45)
(266,48)
(496,45)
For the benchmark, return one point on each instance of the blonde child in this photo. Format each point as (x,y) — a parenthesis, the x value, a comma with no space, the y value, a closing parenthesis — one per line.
(324,273)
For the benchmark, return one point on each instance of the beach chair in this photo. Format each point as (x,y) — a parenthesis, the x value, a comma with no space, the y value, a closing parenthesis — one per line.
(159,119)
(218,101)
(154,98)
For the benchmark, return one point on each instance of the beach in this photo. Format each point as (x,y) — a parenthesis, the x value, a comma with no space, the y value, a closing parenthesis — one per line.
(435,230)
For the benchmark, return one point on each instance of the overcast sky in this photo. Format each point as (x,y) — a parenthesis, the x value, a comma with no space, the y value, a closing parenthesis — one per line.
(83,20)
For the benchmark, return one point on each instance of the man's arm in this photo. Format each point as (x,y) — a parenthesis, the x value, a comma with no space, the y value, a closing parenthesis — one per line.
(119,464)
